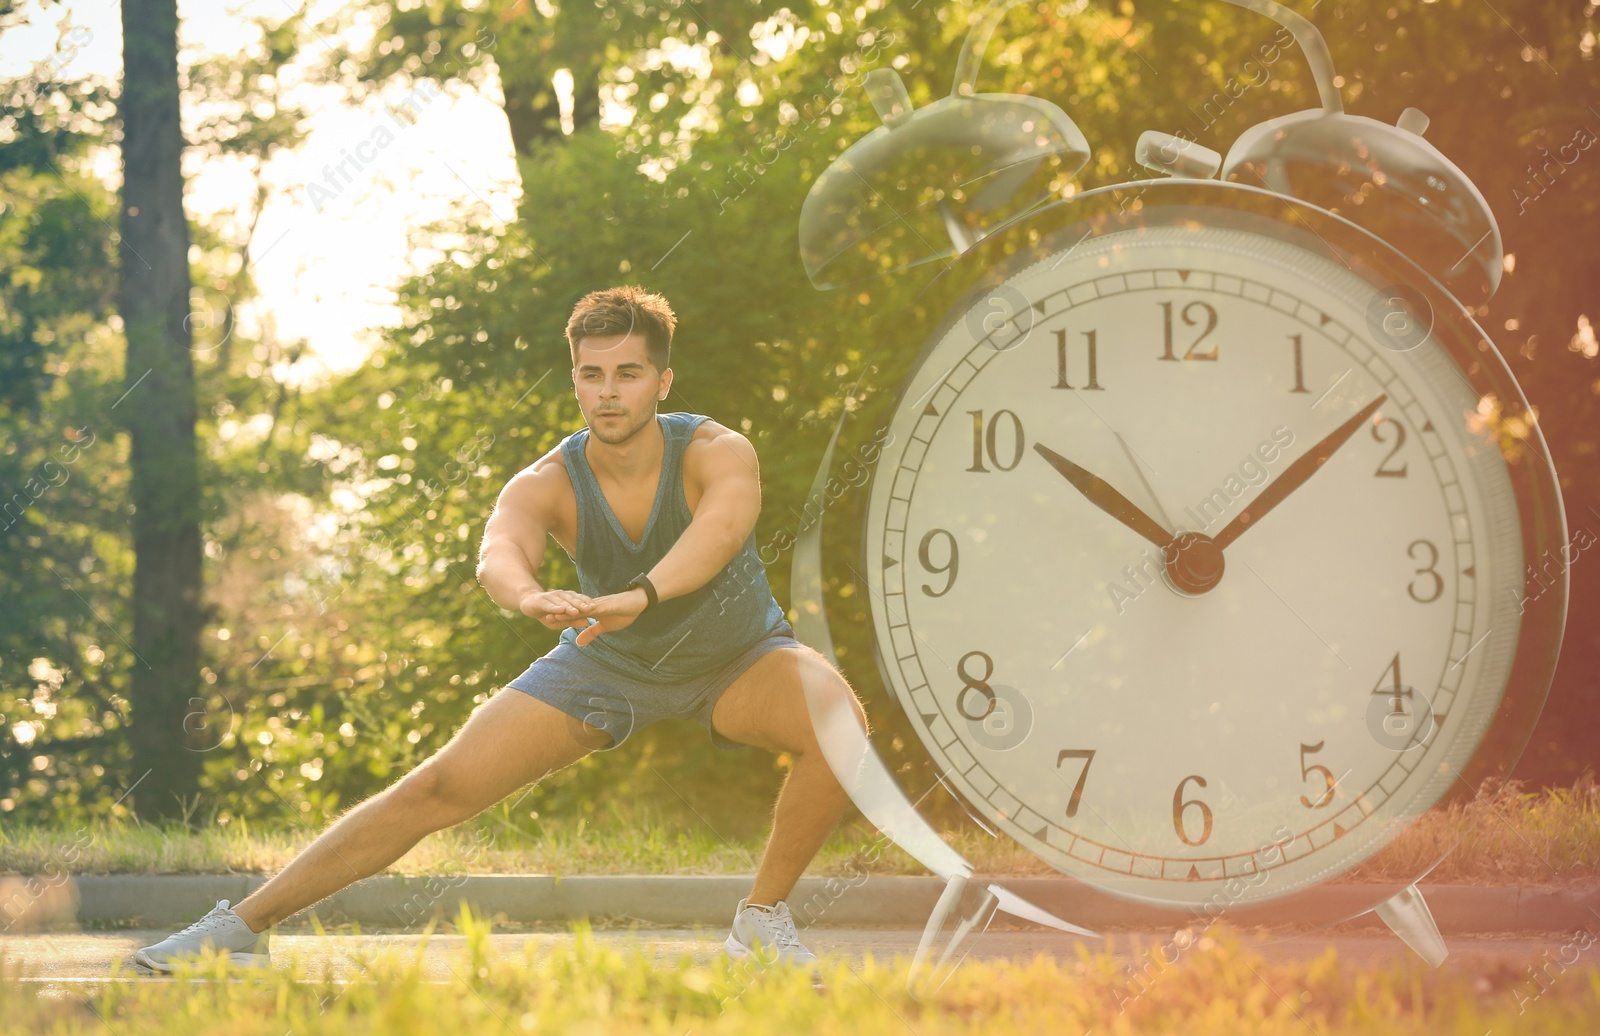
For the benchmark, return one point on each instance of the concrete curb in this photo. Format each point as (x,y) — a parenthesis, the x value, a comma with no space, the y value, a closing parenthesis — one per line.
(393,902)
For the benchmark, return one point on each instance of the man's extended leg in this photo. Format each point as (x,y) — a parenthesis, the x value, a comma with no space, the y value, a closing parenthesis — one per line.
(766,707)
(508,741)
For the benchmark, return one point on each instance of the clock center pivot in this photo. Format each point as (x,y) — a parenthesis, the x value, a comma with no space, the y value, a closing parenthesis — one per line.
(1194,562)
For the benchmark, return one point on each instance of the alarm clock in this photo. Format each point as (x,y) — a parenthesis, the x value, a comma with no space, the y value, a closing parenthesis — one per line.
(1198,555)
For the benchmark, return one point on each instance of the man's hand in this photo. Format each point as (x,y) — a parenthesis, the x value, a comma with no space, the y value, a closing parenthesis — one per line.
(558,609)
(613,612)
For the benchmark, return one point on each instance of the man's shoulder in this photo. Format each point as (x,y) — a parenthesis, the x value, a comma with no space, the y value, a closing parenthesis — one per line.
(710,438)
(717,453)
(709,429)
(547,474)
(542,494)
(699,427)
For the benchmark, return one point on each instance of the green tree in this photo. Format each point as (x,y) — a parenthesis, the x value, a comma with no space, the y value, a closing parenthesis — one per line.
(169,325)
(66,654)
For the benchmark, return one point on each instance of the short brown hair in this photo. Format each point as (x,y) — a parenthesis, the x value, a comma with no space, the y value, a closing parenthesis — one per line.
(620,311)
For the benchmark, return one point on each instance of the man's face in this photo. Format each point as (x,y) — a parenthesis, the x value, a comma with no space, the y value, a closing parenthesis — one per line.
(617,387)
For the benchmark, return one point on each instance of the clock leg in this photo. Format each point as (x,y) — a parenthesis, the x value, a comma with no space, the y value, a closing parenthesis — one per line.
(991,899)
(1016,906)
(921,979)
(1407,915)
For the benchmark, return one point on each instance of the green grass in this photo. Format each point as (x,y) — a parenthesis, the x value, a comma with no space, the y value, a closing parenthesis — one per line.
(1509,838)
(1217,987)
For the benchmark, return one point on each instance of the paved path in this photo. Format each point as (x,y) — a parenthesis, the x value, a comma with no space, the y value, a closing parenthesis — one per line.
(87,958)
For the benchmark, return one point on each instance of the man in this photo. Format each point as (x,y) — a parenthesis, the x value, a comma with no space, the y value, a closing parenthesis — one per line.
(674,618)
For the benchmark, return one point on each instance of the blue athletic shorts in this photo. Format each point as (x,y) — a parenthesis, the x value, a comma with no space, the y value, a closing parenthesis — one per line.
(619,704)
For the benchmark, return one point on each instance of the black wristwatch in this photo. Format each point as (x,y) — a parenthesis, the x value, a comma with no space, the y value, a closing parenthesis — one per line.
(642,581)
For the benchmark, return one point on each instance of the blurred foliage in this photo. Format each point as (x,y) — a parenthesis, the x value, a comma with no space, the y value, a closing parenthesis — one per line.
(63,568)
(629,53)
(350,637)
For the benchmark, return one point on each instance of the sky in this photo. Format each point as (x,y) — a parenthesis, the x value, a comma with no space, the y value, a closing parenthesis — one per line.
(325,266)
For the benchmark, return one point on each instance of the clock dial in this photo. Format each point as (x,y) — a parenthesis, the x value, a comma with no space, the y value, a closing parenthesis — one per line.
(1183,575)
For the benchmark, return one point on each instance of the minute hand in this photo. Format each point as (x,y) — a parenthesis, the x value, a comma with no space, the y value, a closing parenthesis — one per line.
(1294,475)
(1100,493)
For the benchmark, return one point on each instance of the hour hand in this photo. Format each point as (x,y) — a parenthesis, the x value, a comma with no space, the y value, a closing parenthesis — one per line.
(1100,493)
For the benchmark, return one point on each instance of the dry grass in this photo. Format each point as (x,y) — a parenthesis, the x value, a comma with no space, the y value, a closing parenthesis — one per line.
(1504,837)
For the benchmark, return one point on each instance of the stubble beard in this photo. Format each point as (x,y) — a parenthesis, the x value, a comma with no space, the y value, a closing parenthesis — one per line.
(614,436)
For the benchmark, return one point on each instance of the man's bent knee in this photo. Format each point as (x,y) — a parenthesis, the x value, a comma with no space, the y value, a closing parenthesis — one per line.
(428,796)
(826,693)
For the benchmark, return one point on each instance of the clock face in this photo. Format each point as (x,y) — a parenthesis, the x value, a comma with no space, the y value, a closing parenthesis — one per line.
(1133,618)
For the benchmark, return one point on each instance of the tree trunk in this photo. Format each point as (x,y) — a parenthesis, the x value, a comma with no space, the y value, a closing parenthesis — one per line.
(159,410)
(585,96)
(534,112)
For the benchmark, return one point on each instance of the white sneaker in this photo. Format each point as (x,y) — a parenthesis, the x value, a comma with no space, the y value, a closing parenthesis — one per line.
(769,934)
(220,930)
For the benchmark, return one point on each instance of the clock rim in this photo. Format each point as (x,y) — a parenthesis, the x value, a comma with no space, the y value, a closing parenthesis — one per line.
(1535,489)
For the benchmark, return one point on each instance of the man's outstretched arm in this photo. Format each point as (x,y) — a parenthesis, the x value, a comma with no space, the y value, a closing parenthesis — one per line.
(725,469)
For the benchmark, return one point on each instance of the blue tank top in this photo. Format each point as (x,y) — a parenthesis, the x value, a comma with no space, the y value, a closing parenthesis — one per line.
(681,637)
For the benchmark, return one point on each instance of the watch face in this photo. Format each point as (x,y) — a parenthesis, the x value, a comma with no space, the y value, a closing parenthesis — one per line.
(1193,565)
